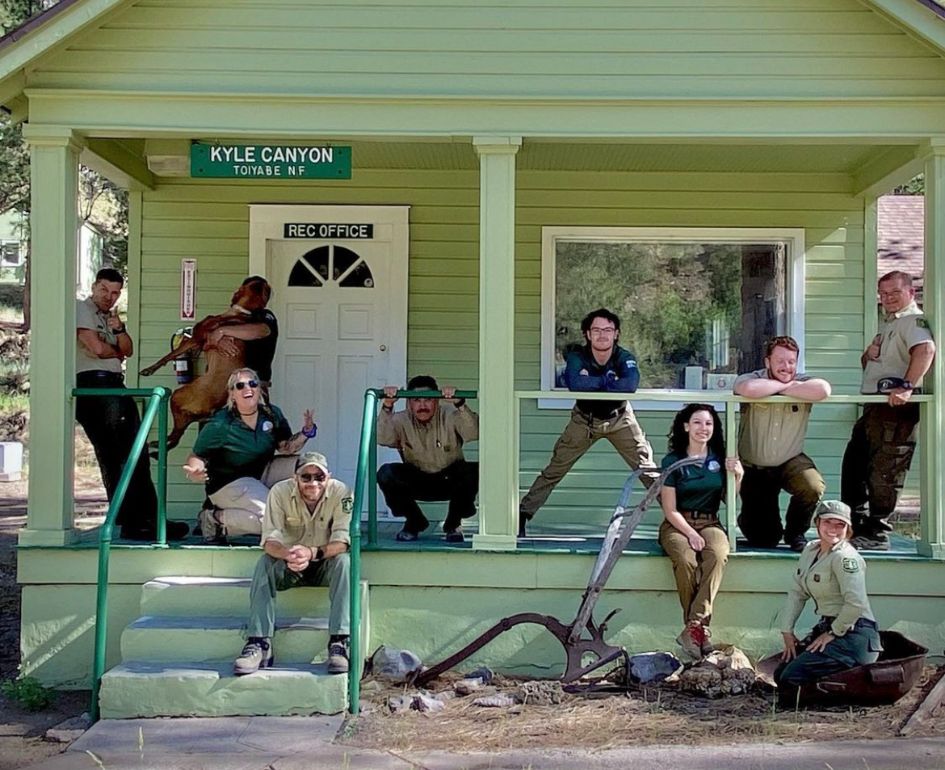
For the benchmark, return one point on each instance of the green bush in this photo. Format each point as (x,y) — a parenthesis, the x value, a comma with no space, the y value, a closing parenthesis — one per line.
(28,693)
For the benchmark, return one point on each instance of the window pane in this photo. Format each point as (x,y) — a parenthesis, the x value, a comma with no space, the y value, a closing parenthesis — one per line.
(706,306)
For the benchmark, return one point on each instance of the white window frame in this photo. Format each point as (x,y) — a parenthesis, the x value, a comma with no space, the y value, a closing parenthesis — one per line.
(794,301)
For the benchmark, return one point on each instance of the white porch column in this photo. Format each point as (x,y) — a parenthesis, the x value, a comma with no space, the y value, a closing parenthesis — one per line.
(931,433)
(498,420)
(54,170)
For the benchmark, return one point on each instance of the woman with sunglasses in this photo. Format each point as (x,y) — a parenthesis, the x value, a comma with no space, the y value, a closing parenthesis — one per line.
(231,454)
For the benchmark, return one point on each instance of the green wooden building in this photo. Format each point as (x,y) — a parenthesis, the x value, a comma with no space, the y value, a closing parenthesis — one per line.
(710,170)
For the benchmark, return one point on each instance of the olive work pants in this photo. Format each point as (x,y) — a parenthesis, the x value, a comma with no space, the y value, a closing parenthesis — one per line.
(580,434)
(875,464)
(273,575)
(698,573)
(857,647)
(760,516)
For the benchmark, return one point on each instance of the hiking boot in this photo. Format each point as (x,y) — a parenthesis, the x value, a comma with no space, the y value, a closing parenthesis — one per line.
(868,543)
(213,531)
(454,535)
(406,536)
(522,518)
(338,657)
(797,544)
(691,639)
(256,654)
(707,647)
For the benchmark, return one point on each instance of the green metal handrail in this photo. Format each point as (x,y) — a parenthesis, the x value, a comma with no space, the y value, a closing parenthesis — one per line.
(157,406)
(366,476)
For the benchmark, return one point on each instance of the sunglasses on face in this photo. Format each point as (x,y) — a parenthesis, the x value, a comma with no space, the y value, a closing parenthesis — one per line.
(310,477)
(246,384)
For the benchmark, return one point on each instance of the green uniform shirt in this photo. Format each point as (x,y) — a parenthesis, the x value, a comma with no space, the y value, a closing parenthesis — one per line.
(287,519)
(899,333)
(770,434)
(233,450)
(698,487)
(836,582)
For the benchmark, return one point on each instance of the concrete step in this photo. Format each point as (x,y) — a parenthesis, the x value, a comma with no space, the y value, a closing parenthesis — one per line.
(209,689)
(166,638)
(178,596)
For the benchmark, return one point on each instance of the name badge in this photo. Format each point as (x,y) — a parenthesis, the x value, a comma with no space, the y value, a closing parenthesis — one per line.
(267,426)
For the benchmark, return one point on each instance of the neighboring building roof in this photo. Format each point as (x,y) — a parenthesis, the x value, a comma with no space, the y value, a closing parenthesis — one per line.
(900,240)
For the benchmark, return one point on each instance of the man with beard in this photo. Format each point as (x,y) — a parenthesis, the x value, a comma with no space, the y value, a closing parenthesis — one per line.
(430,439)
(601,365)
(770,445)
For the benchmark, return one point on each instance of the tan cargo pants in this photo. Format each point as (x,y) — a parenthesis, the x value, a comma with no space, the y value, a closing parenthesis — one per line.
(580,434)
(698,573)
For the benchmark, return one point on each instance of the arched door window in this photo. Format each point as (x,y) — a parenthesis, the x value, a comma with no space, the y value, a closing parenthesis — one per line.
(331,264)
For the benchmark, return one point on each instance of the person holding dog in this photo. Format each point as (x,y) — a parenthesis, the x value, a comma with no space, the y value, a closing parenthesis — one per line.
(112,422)
(430,440)
(231,454)
(880,450)
(258,333)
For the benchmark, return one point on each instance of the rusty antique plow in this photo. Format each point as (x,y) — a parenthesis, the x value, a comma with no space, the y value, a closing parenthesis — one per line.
(582,639)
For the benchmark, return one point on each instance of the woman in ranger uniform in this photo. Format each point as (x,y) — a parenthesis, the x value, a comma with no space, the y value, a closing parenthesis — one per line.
(832,572)
(691,534)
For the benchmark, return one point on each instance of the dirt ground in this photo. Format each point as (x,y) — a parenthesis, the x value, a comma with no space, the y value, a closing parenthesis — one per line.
(663,715)
(22,732)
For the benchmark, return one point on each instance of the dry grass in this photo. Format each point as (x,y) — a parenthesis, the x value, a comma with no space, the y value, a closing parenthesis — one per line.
(657,716)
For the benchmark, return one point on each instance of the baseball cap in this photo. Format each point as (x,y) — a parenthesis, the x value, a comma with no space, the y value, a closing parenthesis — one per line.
(834,509)
(311,458)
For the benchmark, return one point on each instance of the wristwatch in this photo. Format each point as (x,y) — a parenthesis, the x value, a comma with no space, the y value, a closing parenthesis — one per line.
(907,385)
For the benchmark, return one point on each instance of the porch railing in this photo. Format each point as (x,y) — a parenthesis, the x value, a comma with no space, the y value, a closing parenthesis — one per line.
(642,398)
(366,483)
(156,407)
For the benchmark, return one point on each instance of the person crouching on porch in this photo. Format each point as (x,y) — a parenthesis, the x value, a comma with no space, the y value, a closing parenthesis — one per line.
(832,572)
(232,452)
(430,440)
(306,540)
(691,534)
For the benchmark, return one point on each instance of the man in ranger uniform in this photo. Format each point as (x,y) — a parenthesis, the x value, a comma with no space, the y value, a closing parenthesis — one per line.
(305,540)
(881,446)
(770,445)
(430,440)
(601,365)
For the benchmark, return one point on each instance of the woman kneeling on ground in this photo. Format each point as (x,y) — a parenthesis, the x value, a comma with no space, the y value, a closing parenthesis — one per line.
(832,572)
(691,534)
(231,454)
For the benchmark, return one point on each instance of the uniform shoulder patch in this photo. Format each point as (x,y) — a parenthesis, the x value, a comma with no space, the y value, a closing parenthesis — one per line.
(850,564)
(347,504)
(921,322)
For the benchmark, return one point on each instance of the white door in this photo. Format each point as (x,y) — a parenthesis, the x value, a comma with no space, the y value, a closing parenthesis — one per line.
(342,311)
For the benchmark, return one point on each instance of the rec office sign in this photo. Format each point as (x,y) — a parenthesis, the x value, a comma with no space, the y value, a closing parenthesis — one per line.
(269,161)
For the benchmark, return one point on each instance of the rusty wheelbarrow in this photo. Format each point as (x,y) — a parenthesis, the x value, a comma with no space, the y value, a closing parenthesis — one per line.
(582,638)
(875,684)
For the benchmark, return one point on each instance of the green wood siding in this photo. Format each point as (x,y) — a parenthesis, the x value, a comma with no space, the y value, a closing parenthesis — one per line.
(833,223)
(209,221)
(523,48)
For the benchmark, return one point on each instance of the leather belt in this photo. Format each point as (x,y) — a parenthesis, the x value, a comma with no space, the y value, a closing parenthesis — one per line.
(700,514)
(613,414)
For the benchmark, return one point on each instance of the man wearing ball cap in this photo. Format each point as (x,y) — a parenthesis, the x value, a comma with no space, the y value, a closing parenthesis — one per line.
(305,539)
(833,574)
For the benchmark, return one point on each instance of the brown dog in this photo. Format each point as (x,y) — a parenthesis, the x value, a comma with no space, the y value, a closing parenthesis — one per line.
(199,399)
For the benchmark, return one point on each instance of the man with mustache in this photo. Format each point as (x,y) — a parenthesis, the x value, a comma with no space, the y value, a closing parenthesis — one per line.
(430,438)
(770,445)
